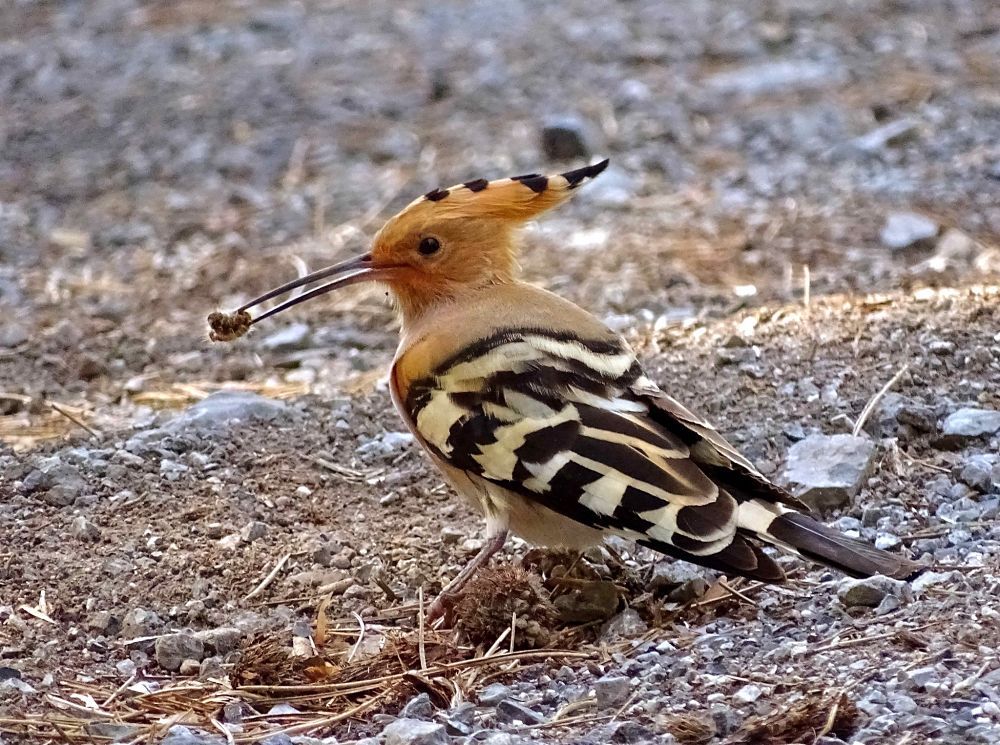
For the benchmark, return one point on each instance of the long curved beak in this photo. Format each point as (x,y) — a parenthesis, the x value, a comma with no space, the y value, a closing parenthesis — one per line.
(350,272)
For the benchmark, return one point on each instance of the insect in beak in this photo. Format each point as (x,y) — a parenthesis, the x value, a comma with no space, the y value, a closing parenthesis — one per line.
(229,326)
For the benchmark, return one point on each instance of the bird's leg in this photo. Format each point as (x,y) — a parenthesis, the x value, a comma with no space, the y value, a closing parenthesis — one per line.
(493,544)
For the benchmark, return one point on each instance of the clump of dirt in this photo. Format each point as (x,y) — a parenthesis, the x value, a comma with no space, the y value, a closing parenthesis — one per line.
(806,720)
(499,597)
(690,729)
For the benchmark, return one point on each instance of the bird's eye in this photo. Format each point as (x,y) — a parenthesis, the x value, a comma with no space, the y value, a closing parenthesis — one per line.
(429,245)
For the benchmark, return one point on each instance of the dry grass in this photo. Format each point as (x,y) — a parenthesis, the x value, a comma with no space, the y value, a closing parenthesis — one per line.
(325,687)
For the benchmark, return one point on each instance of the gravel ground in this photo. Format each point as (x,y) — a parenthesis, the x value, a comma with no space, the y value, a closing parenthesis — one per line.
(160,160)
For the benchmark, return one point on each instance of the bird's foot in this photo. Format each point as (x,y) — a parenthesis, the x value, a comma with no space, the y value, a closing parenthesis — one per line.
(442,604)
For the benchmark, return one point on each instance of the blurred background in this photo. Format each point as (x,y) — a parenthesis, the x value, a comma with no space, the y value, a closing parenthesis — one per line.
(162,159)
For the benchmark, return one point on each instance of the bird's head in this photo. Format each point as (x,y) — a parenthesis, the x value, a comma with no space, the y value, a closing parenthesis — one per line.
(445,243)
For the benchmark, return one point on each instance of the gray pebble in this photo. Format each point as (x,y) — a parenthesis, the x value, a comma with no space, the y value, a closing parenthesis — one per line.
(826,471)
(181,735)
(114,731)
(215,414)
(141,622)
(773,77)
(889,134)
(870,591)
(222,640)
(173,649)
(748,694)
(253,531)
(82,529)
(626,625)
(277,739)
(907,229)
(53,475)
(509,711)
(977,472)
(567,137)
(418,707)
(292,337)
(493,694)
(612,690)
(970,423)
(414,732)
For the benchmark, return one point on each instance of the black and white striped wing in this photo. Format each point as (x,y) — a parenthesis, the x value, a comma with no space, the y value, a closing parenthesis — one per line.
(557,419)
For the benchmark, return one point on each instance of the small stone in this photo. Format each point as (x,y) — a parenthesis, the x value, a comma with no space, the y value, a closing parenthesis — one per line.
(978,473)
(13,334)
(113,731)
(222,640)
(826,471)
(418,707)
(211,667)
(626,625)
(890,134)
(386,443)
(928,579)
(451,536)
(567,137)
(908,229)
(748,694)
(735,356)
(870,591)
(126,668)
(82,529)
(941,348)
(173,649)
(414,732)
(614,189)
(612,690)
(292,337)
(920,677)
(190,667)
(181,735)
(52,472)
(171,470)
(902,704)
(282,709)
(498,738)
(139,622)
(462,719)
(509,711)
(253,530)
(886,541)
(970,423)
(215,414)
(279,738)
(773,77)
(493,694)
(104,622)
(624,732)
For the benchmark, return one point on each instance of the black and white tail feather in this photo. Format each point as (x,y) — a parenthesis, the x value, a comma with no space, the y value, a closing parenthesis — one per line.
(573,424)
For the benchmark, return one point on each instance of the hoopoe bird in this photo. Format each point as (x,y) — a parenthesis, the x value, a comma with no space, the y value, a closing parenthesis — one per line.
(541,416)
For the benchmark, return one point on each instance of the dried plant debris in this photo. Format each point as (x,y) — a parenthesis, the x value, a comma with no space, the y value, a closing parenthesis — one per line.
(228,326)
(500,597)
(690,729)
(806,720)
(268,659)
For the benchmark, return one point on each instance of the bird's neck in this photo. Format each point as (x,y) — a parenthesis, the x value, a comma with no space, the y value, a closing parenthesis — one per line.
(419,305)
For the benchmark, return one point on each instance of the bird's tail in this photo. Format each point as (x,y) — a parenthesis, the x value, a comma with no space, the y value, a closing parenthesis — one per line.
(812,539)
